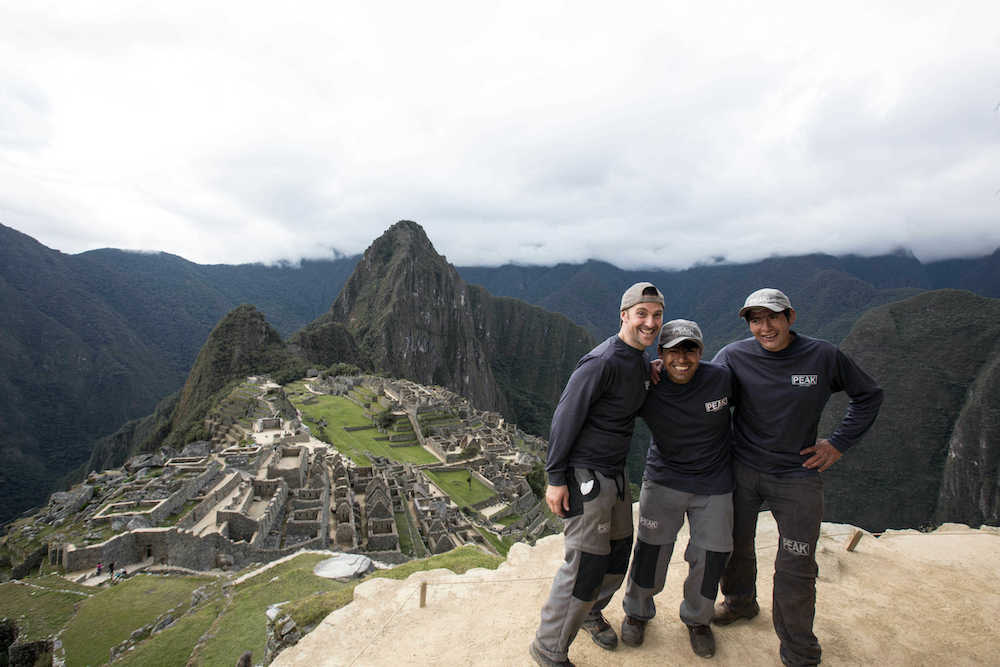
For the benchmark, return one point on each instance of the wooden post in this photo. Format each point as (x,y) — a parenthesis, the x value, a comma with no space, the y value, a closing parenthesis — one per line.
(423,594)
(855,538)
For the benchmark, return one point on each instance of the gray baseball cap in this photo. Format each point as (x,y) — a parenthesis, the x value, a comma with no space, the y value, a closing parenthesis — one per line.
(675,332)
(641,293)
(770,298)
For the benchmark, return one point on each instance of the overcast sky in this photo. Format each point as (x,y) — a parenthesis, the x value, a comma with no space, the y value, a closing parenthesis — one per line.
(647,134)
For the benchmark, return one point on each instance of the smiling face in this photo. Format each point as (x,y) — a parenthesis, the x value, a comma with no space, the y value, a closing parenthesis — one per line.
(772,330)
(641,324)
(681,361)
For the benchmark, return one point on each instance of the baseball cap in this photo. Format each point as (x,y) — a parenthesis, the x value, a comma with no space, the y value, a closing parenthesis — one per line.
(770,298)
(641,293)
(675,332)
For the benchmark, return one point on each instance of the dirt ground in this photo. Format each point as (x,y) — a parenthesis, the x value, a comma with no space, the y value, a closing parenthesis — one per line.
(906,598)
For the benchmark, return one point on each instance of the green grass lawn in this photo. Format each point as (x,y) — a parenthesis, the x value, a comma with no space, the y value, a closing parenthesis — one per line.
(44,612)
(508,520)
(108,618)
(456,484)
(339,412)
(241,627)
(173,646)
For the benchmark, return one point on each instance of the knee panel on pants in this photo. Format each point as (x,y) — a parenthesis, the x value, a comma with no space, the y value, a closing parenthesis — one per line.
(715,564)
(644,566)
(589,576)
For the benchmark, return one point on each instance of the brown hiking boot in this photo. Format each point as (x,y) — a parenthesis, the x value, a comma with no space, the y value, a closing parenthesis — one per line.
(735,609)
(633,631)
(601,631)
(702,640)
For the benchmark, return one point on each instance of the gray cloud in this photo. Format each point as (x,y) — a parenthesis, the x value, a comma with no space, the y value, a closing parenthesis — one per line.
(657,136)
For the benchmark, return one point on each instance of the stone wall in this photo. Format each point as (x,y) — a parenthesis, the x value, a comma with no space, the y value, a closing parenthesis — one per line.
(273,509)
(118,549)
(208,504)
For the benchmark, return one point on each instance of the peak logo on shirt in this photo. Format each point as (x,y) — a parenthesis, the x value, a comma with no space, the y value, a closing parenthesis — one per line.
(805,380)
(715,406)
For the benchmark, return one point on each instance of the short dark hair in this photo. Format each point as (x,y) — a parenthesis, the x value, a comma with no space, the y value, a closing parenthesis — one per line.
(787,312)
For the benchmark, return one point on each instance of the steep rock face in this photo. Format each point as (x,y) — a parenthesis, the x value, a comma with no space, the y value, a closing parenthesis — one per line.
(970,488)
(926,352)
(408,310)
(531,352)
(413,316)
(242,344)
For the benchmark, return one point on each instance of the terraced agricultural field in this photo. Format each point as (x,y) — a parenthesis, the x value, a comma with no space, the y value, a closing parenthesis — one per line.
(338,412)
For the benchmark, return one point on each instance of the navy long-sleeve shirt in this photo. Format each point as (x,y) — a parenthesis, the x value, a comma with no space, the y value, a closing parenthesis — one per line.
(592,424)
(689,450)
(780,397)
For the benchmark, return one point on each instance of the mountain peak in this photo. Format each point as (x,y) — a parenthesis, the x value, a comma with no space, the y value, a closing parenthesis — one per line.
(405,238)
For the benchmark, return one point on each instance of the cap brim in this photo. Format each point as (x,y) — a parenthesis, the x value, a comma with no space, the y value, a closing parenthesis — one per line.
(774,309)
(677,341)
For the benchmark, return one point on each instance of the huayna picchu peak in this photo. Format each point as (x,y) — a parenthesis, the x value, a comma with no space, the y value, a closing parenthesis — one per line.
(412,315)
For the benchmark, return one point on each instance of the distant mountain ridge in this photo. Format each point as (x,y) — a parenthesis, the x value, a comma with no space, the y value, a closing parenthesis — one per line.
(933,454)
(91,341)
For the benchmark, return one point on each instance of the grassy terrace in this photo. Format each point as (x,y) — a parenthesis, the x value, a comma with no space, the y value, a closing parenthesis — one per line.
(45,610)
(109,617)
(338,412)
(456,484)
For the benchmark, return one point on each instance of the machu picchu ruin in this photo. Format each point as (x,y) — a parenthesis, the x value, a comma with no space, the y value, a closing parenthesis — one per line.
(361,464)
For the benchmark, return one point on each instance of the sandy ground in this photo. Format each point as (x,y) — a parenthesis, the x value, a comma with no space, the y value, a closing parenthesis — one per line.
(906,598)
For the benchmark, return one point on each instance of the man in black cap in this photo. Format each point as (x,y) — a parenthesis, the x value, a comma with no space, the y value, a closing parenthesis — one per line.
(588,443)
(688,471)
(782,381)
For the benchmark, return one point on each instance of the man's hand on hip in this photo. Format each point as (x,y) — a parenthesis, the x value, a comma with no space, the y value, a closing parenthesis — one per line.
(557,498)
(824,455)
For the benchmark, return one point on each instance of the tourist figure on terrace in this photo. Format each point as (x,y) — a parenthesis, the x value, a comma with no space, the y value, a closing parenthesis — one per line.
(589,440)
(782,381)
(688,471)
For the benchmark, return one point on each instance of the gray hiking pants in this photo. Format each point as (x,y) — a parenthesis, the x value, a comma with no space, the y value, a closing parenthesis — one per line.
(598,538)
(797,506)
(661,515)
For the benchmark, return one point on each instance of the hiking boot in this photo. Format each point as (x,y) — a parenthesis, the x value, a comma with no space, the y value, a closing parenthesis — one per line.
(601,631)
(633,630)
(728,611)
(542,661)
(702,640)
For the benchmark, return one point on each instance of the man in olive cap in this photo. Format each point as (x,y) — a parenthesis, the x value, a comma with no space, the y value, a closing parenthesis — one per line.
(782,381)
(688,472)
(588,443)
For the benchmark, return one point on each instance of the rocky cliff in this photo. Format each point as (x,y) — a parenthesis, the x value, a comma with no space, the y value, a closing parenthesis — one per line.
(970,487)
(933,451)
(413,316)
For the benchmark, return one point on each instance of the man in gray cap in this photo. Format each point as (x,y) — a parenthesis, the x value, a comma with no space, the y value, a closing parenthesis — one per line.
(782,381)
(688,471)
(588,442)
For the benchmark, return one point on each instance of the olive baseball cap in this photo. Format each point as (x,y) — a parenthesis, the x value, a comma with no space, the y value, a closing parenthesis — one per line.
(641,293)
(770,298)
(676,332)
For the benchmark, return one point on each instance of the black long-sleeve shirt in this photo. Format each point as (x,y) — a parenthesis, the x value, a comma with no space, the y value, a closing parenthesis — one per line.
(592,424)
(780,397)
(689,450)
